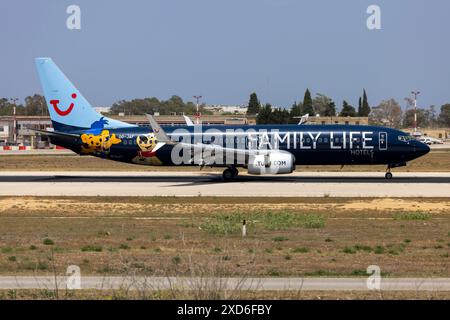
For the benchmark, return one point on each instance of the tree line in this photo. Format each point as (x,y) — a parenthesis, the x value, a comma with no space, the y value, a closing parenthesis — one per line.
(387,113)
(34,106)
(152,105)
(320,105)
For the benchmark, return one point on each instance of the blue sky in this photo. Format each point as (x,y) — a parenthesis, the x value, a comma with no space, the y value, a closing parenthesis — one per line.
(224,50)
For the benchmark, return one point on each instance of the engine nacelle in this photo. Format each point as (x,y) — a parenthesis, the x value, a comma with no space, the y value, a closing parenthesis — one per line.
(272,163)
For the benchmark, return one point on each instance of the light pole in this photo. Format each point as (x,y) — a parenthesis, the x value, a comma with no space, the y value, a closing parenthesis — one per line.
(198,115)
(14,101)
(415,94)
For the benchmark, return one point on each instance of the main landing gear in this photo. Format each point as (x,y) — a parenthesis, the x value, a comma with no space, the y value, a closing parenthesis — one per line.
(388,174)
(230,173)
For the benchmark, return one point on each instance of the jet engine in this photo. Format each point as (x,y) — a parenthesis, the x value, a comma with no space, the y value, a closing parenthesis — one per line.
(277,162)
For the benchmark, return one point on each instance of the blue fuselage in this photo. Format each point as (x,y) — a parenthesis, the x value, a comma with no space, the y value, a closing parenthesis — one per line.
(309,144)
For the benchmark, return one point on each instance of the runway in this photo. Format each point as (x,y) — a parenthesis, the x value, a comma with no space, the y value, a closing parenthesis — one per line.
(273,284)
(184,184)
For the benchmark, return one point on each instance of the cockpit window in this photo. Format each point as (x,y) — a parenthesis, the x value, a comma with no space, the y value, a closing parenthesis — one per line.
(405,138)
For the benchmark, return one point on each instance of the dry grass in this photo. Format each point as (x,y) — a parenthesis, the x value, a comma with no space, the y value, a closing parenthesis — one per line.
(162,236)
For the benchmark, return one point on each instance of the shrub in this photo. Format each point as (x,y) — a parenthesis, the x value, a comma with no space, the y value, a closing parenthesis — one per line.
(300,250)
(92,248)
(176,260)
(280,239)
(349,250)
(273,272)
(48,242)
(378,250)
(360,247)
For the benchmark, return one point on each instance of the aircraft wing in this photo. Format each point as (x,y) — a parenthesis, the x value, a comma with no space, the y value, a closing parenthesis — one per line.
(162,137)
(56,133)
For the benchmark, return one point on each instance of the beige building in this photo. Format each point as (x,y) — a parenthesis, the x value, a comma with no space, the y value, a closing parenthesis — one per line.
(23,125)
(338,120)
(179,120)
(438,133)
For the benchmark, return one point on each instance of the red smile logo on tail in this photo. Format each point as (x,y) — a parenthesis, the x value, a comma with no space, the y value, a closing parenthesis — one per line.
(63,113)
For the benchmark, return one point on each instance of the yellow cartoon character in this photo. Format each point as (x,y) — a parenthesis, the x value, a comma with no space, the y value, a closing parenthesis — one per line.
(146,143)
(98,143)
(146,155)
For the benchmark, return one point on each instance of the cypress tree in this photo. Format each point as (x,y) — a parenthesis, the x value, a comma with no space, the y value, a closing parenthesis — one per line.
(365,108)
(359,107)
(307,104)
(253,104)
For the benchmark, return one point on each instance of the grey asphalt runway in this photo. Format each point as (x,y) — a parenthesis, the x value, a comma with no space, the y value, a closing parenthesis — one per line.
(301,184)
(277,284)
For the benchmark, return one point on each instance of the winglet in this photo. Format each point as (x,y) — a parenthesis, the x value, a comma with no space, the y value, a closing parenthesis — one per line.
(160,134)
(188,121)
(304,119)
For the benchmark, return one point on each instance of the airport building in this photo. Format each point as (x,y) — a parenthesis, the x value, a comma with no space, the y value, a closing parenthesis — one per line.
(221,109)
(18,130)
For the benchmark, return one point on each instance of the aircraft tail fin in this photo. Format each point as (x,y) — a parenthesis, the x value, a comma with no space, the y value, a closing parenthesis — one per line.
(68,109)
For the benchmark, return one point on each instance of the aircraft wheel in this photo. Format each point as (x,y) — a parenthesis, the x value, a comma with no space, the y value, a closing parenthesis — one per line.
(236,171)
(228,174)
(388,175)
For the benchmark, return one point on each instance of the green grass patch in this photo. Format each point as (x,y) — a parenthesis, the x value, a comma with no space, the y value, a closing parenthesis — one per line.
(300,250)
(321,273)
(92,248)
(227,224)
(412,216)
(273,272)
(176,260)
(349,250)
(360,247)
(48,242)
(379,250)
(7,250)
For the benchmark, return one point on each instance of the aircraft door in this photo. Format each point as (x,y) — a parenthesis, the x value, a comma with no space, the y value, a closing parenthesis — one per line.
(382,140)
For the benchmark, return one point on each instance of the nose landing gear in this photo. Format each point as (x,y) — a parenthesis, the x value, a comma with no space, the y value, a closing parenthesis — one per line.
(388,174)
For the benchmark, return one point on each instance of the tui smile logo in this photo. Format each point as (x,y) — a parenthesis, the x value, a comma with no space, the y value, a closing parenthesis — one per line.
(63,113)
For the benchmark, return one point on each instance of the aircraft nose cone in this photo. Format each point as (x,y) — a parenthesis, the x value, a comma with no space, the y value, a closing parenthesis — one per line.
(422,148)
